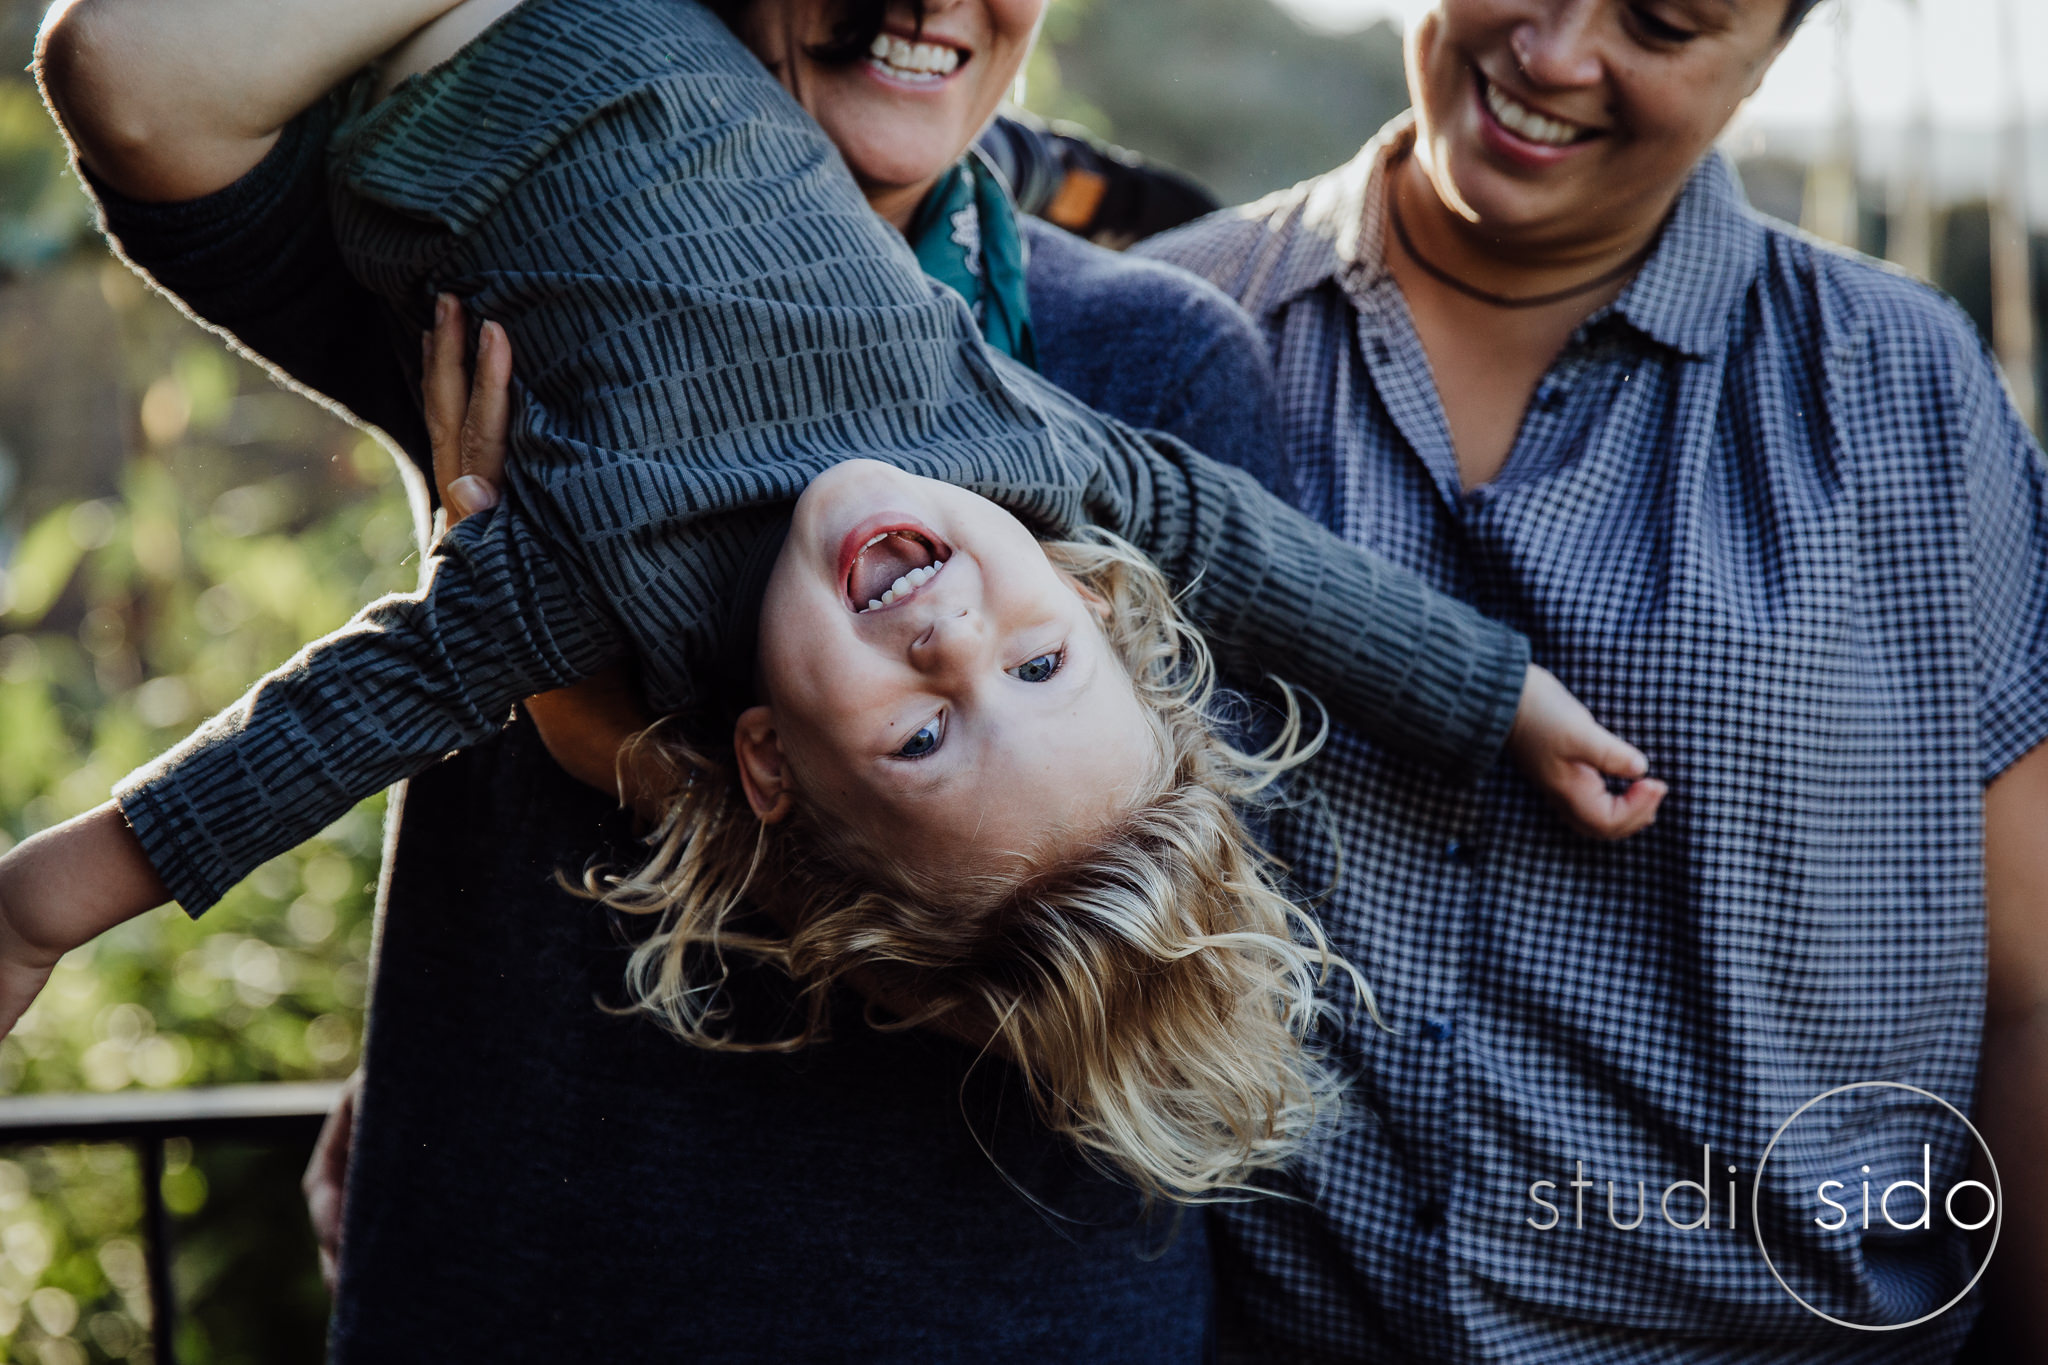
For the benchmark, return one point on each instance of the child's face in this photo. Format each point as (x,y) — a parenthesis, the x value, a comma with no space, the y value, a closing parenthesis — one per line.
(979,713)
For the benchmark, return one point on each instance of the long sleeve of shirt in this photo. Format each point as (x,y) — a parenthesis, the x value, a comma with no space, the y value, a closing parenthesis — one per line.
(707,315)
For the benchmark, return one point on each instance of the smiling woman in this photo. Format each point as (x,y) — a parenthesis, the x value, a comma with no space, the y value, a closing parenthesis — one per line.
(1536,346)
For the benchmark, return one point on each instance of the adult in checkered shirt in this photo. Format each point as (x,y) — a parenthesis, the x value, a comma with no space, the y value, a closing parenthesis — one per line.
(1767,508)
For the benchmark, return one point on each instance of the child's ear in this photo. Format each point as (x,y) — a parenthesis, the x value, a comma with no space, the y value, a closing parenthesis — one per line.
(763,775)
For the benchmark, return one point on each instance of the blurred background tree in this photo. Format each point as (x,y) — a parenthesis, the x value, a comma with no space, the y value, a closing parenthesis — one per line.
(172,524)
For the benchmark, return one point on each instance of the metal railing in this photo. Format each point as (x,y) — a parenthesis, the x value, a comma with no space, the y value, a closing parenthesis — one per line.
(144,1119)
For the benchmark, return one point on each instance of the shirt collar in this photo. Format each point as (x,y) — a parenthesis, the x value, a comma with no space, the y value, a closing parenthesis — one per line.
(1705,259)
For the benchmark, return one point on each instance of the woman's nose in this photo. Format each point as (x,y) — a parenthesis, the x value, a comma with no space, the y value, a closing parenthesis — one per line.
(1558,48)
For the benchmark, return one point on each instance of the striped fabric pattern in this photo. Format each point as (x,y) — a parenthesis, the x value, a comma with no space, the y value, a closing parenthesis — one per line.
(1772,516)
(707,314)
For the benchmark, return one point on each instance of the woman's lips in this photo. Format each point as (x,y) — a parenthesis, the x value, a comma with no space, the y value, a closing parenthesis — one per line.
(1519,134)
(917,62)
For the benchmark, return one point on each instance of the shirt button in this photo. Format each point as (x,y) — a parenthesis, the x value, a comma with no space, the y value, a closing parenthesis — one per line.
(1437,1030)
(1457,851)
(1548,394)
(1429,1215)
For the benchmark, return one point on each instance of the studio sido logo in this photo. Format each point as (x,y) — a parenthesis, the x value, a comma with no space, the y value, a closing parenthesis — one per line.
(1888,1201)
(1885,1202)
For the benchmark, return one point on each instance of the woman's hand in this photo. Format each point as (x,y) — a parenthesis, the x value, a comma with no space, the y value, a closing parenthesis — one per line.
(326,1179)
(1567,753)
(585,726)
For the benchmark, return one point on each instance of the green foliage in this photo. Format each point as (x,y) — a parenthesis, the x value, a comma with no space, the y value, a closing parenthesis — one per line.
(1234,92)
(44,214)
(172,525)
(129,618)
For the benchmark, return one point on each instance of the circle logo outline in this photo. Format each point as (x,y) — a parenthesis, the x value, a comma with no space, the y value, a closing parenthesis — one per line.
(1757,1190)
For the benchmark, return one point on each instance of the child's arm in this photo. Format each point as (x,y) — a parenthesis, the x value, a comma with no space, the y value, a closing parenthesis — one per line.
(410,679)
(63,888)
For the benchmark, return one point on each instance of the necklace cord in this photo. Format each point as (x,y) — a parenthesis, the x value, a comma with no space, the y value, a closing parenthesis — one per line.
(1473,291)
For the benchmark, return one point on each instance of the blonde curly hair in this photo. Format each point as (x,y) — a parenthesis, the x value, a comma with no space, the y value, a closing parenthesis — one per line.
(1155,989)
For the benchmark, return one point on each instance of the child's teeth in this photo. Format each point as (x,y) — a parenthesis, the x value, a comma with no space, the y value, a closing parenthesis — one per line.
(907,584)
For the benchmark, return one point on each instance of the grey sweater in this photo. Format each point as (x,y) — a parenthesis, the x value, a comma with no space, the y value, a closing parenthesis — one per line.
(707,314)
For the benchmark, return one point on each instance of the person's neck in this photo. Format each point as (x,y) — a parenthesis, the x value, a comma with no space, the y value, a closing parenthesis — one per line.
(1513,267)
(897,204)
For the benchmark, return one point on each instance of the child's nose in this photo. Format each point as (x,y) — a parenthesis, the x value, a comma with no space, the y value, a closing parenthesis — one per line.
(956,643)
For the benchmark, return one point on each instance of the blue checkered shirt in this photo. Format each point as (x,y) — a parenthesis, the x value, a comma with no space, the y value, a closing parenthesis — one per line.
(1773,517)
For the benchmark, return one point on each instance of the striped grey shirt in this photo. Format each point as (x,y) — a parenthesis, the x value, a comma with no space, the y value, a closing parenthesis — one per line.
(707,314)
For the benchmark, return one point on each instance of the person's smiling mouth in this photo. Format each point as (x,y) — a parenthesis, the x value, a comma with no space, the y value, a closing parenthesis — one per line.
(1530,125)
(886,564)
(915,60)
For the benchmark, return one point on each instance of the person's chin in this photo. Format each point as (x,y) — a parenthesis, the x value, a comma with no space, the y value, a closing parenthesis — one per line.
(1502,201)
(912,157)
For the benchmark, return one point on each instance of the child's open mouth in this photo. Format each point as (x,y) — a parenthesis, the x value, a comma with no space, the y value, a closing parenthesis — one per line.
(891,564)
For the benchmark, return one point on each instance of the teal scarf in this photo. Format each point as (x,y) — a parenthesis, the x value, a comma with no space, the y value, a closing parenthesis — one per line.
(965,236)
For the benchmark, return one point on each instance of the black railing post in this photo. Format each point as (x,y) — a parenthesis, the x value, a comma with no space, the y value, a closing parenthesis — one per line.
(268,1112)
(156,1224)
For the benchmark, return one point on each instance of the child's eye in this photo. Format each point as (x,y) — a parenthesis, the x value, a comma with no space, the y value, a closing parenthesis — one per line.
(925,741)
(1039,669)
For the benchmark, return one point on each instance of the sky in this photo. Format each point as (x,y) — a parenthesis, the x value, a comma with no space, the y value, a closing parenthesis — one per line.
(1964,83)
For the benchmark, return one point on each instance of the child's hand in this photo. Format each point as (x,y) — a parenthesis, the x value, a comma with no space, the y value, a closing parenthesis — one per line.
(1567,753)
(24,967)
(62,888)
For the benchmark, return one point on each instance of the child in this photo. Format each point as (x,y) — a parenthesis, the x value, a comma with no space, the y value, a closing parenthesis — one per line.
(715,321)
(1134,960)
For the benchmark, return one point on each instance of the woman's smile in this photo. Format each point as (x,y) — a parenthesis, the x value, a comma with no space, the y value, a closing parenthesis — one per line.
(1516,130)
(902,111)
(915,62)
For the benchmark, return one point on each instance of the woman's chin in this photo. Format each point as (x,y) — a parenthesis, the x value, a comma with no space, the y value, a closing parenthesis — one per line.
(895,153)
(1502,203)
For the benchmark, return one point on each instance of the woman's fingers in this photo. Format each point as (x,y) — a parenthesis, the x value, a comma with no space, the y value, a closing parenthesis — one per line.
(326,1178)
(467,419)
(444,390)
(485,426)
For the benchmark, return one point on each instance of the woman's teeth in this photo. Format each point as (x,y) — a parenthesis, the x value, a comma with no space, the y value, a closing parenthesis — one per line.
(1525,122)
(913,61)
(904,586)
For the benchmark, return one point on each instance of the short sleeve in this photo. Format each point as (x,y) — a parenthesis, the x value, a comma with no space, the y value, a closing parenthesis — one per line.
(2008,488)
(257,260)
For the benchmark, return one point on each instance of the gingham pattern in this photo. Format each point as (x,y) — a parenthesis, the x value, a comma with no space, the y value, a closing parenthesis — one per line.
(1771,515)
(707,314)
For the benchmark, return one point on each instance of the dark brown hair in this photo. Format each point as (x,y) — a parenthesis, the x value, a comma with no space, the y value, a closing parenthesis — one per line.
(858,23)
